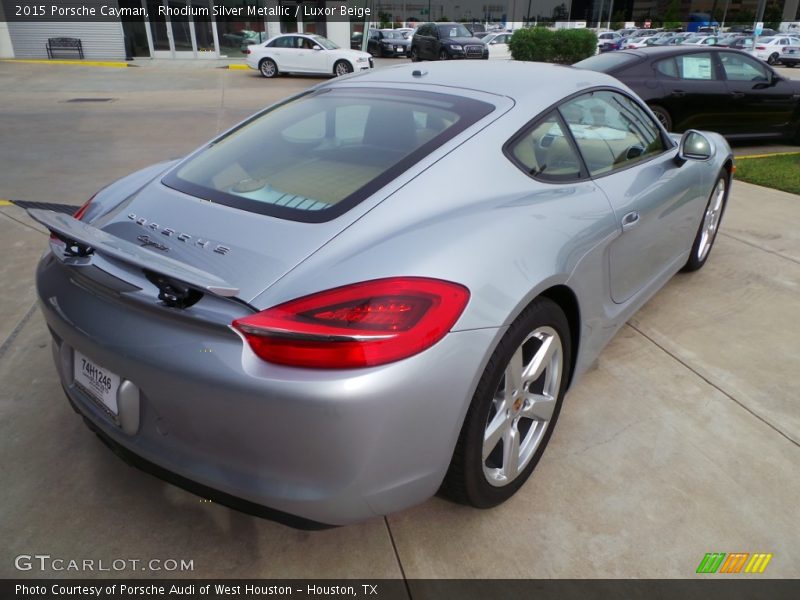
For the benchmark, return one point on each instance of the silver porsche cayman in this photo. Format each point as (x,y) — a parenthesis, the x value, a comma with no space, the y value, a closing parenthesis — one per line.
(378,289)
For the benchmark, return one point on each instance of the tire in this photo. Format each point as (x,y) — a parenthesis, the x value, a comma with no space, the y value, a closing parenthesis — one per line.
(773,59)
(268,68)
(662,114)
(443,55)
(415,55)
(709,225)
(486,479)
(342,67)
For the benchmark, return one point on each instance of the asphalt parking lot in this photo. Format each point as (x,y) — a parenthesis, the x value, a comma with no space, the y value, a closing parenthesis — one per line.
(684,440)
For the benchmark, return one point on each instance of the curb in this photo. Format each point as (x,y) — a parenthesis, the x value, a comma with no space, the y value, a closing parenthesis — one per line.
(83,63)
(749,156)
(238,67)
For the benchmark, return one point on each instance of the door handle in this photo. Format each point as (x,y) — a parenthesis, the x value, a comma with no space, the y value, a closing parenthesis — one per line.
(738,95)
(630,220)
(678,93)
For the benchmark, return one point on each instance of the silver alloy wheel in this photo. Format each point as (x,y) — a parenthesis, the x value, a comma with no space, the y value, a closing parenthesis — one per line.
(268,68)
(342,68)
(522,406)
(711,220)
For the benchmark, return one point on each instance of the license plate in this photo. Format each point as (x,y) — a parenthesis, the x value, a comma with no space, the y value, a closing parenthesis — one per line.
(99,382)
(398,48)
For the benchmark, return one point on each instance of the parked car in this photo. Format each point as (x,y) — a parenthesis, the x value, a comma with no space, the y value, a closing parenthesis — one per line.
(607,41)
(305,53)
(638,42)
(699,40)
(387,42)
(739,42)
(498,45)
(790,55)
(718,89)
(327,349)
(770,48)
(445,41)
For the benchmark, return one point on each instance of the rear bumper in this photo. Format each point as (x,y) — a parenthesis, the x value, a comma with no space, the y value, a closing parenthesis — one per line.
(331,447)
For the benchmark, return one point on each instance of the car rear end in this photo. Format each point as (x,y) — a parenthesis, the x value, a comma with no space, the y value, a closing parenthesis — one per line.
(790,55)
(165,306)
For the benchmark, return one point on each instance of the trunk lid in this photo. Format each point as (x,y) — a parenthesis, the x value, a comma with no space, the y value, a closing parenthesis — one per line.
(218,249)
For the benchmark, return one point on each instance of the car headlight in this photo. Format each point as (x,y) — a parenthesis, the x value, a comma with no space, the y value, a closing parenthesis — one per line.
(456,47)
(362,59)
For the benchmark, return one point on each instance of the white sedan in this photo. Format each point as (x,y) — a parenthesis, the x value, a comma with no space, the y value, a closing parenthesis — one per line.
(498,44)
(305,53)
(771,48)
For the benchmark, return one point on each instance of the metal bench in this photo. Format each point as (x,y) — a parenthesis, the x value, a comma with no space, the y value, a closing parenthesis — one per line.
(64,44)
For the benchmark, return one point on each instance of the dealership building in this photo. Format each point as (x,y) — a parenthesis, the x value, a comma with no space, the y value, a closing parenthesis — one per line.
(212,29)
(180,29)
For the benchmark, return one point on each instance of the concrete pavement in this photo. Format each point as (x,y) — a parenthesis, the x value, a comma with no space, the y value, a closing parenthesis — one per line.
(683,441)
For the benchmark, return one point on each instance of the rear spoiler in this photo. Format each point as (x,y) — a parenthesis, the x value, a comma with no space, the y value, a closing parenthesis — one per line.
(90,239)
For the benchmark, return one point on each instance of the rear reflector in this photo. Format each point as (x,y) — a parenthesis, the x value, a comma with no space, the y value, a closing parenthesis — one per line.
(359,325)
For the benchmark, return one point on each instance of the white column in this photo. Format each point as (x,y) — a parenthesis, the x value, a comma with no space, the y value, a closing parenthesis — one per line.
(6,47)
(338,32)
(790,10)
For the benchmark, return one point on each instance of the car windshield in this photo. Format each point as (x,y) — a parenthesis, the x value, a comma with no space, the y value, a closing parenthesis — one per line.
(325,42)
(606,62)
(393,35)
(314,157)
(694,39)
(453,31)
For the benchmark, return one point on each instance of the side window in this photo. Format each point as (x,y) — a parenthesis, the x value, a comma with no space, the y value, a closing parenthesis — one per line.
(667,67)
(546,153)
(612,131)
(742,68)
(696,66)
(282,42)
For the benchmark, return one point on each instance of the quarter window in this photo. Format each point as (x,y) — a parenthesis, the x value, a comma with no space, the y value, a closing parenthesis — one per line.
(611,131)
(546,152)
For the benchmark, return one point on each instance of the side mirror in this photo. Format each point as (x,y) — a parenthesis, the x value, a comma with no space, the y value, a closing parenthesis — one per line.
(694,146)
(317,48)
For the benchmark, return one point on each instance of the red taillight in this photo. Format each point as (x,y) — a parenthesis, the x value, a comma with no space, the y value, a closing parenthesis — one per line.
(248,51)
(359,325)
(761,47)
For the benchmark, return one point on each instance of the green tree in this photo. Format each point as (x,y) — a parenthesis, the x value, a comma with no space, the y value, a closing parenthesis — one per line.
(672,15)
(618,20)
(773,14)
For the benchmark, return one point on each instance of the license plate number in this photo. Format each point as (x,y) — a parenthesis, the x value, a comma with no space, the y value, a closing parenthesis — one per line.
(99,382)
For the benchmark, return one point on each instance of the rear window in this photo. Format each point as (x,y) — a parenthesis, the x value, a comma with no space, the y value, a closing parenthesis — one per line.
(606,62)
(315,157)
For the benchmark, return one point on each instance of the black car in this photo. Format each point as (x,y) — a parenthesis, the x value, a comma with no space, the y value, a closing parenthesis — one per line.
(386,42)
(705,87)
(443,41)
(740,42)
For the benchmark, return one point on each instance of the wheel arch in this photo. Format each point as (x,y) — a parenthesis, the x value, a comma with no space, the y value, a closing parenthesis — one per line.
(567,301)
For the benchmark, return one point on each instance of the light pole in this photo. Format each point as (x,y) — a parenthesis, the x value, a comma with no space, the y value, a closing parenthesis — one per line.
(610,10)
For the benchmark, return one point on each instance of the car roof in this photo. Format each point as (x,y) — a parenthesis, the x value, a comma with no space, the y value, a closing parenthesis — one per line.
(674,50)
(514,79)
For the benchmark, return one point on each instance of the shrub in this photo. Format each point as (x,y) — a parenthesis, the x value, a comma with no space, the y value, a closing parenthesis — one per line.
(564,46)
